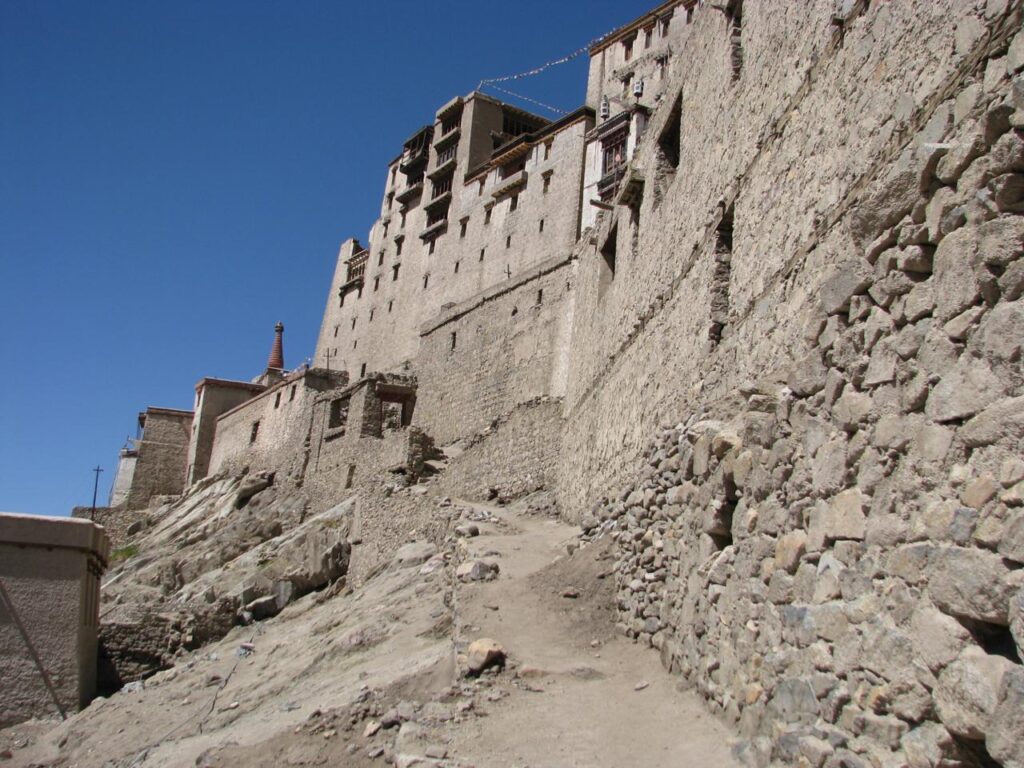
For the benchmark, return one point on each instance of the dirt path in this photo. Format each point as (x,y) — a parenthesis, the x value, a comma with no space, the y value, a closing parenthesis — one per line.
(575,701)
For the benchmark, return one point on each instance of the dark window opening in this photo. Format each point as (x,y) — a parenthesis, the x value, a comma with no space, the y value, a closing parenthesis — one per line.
(338,414)
(380,258)
(431,247)
(442,185)
(513,202)
(627,49)
(355,343)
(386,225)
(362,370)
(482,250)
(292,395)
(398,246)
(277,400)
(353,323)
(689,14)
(734,15)
(394,272)
(446,154)
(456,267)
(426,281)
(371,314)
(390,305)
(508,241)
(402,223)
(376,283)
(648,36)
(547,148)
(341,299)
(254,432)
(335,331)
(449,124)
(487,216)
(608,252)
(721,276)
(351,476)
(541,228)
(540,296)
(359,292)
(547,183)
(452,338)
(613,152)
(462,227)
(671,136)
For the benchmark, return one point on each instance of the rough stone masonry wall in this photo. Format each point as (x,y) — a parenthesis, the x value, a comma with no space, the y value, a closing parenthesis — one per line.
(833,551)
(163,452)
(818,115)
(514,456)
(509,349)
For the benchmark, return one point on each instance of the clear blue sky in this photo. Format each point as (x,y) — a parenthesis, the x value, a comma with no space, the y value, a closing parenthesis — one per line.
(175,177)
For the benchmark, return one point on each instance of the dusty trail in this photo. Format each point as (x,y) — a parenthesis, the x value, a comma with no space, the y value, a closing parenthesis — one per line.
(576,703)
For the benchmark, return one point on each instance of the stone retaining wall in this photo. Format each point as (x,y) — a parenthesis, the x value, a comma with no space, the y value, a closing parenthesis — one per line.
(833,552)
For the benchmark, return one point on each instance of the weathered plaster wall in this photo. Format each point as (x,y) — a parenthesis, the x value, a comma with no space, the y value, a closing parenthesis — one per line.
(283,417)
(49,603)
(214,397)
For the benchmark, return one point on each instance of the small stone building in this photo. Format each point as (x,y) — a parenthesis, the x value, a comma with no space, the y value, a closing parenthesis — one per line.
(154,463)
(50,572)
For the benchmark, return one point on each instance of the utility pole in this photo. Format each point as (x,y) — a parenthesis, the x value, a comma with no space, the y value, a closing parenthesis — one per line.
(95,488)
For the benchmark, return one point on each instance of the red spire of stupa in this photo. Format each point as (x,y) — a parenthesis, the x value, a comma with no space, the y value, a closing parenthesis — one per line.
(276,359)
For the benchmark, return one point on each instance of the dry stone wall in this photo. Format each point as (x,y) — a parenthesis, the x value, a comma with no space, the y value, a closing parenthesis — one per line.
(482,359)
(792,149)
(516,455)
(829,547)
